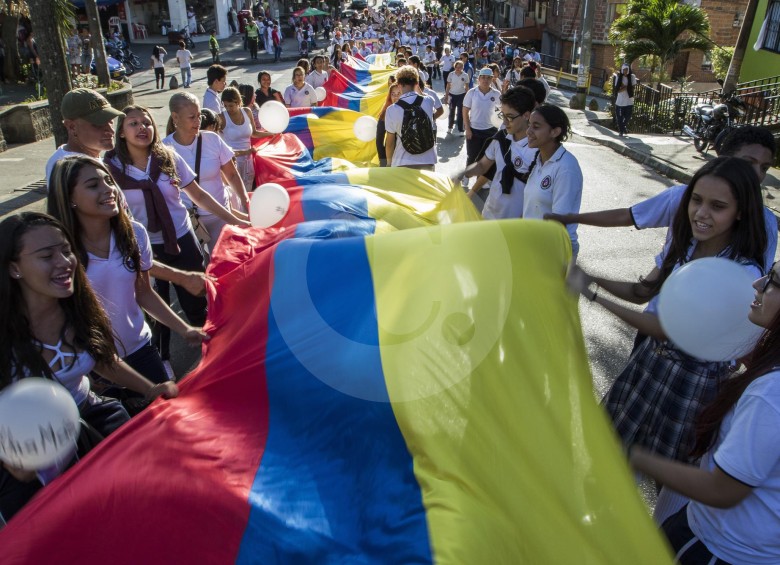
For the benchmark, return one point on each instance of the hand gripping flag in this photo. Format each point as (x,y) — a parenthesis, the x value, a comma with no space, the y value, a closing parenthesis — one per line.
(408,397)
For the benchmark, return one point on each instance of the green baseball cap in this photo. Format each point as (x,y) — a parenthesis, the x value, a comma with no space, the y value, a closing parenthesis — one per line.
(88,105)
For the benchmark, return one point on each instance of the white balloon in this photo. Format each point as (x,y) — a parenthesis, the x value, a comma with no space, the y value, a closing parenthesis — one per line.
(269,204)
(39,424)
(321,93)
(365,128)
(703,308)
(274,116)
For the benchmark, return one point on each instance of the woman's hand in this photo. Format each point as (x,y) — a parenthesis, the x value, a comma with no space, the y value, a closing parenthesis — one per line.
(195,336)
(577,280)
(168,389)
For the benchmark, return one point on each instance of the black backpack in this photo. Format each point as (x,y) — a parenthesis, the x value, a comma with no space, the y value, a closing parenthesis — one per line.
(416,129)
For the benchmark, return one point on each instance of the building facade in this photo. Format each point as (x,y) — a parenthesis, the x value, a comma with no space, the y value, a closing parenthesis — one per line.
(762,58)
(561,37)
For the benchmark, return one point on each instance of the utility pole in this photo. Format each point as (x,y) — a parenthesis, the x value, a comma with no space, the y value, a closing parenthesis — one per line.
(577,101)
(739,49)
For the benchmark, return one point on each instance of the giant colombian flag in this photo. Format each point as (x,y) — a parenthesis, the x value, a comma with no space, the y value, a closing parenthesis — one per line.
(409,397)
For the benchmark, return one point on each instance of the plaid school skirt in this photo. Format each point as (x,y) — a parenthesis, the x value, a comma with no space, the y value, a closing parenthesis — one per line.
(656,399)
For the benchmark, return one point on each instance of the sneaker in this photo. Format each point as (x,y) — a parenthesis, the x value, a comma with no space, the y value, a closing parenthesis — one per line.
(169,370)
(461,133)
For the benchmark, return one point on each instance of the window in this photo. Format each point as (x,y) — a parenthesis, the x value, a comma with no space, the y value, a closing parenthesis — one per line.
(706,62)
(614,11)
(771,33)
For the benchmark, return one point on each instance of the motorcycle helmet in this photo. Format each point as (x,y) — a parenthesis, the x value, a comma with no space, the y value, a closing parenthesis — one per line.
(720,111)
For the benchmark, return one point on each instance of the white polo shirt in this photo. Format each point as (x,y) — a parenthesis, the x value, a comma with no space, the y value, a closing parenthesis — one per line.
(446,62)
(300,98)
(317,78)
(555,187)
(394,117)
(499,205)
(459,83)
(482,105)
(659,210)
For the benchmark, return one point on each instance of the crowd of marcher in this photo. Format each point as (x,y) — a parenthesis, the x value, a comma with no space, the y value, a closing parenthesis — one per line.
(131,203)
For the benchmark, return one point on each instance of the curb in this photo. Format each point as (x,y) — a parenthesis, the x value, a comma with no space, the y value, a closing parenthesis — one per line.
(659,165)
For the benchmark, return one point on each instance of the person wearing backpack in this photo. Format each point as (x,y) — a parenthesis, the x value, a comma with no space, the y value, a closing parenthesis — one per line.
(409,138)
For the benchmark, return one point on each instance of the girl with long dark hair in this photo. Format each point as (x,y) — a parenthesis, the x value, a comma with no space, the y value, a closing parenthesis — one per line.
(117,256)
(54,327)
(656,399)
(152,178)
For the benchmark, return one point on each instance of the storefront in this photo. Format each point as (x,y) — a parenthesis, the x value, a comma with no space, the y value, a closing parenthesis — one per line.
(201,16)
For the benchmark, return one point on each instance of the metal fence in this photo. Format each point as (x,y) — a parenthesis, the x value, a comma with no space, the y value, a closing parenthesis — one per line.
(665,111)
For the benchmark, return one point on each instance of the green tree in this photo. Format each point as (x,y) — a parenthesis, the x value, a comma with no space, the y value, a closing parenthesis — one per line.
(660,30)
(721,59)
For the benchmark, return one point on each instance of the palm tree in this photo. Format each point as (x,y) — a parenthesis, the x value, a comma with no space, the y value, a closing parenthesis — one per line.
(661,30)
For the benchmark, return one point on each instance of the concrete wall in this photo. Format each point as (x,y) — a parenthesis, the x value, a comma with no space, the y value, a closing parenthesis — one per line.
(27,123)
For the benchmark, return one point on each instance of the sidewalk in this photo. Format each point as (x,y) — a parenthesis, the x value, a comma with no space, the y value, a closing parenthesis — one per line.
(231,51)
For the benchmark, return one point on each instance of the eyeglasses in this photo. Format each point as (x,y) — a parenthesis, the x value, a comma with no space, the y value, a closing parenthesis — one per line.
(770,279)
(507,118)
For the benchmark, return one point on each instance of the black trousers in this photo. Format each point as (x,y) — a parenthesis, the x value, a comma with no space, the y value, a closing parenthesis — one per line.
(689,549)
(476,146)
(189,259)
(456,110)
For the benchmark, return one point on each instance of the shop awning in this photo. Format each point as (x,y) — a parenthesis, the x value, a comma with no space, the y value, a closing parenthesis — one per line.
(80,3)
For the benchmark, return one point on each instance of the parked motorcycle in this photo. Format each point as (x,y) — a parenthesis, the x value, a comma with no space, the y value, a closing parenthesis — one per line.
(712,123)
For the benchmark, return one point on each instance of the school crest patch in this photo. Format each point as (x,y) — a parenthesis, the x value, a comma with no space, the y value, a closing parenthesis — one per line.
(518,162)
(546,182)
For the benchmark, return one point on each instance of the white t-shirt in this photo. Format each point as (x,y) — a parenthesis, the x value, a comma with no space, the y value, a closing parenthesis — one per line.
(394,117)
(482,105)
(622,97)
(114,285)
(499,205)
(436,101)
(659,210)
(171,192)
(159,62)
(300,98)
(747,450)
(459,83)
(555,187)
(446,62)
(184,56)
(214,153)
(317,78)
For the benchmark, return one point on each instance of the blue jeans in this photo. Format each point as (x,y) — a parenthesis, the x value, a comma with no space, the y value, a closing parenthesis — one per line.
(622,116)
(186,76)
(277,53)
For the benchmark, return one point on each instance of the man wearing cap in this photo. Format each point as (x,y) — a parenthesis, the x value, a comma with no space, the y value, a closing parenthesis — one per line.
(479,106)
(623,84)
(89,120)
